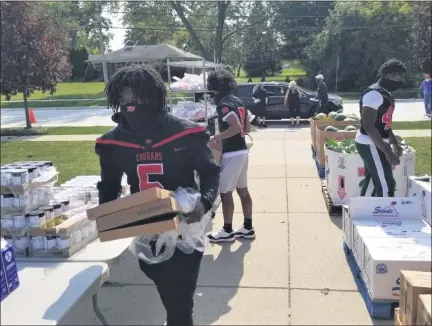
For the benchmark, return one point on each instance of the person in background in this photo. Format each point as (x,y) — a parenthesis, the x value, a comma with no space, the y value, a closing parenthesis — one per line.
(156,149)
(233,122)
(425,91)
(322,94)
(375,141)
(249,80)
(292,101)
(261,98)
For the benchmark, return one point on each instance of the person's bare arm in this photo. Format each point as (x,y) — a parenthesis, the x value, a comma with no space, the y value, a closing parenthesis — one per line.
(286,99)
(234,128)
(395,145)
(369,116)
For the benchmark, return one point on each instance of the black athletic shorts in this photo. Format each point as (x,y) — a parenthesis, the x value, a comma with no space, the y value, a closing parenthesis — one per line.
(294,112)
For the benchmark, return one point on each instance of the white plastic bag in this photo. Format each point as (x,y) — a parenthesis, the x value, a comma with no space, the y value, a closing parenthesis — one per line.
(157,248)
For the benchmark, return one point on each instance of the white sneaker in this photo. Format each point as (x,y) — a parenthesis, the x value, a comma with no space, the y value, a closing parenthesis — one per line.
(244,233)
(221,236)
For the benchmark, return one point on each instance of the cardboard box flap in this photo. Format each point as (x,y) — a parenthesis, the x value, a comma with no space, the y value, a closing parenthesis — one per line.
(137,214)
(384,208)
(138,230)
(150,220)
(138,198)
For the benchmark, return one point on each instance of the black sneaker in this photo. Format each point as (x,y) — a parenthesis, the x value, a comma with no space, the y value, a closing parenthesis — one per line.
(244,233)
(221,236)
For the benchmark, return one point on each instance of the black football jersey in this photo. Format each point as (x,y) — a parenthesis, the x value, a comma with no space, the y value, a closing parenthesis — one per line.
(227,106)
(384,113)
(165,154)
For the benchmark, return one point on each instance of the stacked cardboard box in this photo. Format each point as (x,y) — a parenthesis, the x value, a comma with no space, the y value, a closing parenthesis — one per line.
(420,188)
(386,235)
(150,211)
(413,284)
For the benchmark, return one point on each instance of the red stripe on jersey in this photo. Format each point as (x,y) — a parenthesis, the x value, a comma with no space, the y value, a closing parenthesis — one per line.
(117,142)
(225,110)
(179,135)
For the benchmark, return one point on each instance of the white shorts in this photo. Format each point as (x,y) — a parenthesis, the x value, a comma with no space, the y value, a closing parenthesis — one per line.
(234,172)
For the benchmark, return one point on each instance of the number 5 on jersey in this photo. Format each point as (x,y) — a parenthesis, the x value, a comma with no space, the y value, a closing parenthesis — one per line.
(146,170)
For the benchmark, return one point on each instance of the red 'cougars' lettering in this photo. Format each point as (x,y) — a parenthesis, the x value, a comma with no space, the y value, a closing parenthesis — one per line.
(149,156)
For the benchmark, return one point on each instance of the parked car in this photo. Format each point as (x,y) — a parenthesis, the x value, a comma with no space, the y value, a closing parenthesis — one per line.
(276,108)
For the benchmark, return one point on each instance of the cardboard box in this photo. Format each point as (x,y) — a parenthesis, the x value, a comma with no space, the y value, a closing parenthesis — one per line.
(413,283)
(420,188)
(397,319)
(424,310)
(62,230)
(139,198)
(383,209)
(323,136)
(170,223)
(390,230)
(344,174)
(381,269)
(138,213)
(316,123)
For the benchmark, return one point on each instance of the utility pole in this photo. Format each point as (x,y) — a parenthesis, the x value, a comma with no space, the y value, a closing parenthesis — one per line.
(101,45)
(336,72)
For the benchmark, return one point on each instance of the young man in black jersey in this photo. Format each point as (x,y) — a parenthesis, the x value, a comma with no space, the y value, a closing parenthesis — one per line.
(233,121)
(375,141)
(156,149)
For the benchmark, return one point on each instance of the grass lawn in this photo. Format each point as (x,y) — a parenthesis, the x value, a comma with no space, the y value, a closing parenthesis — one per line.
(422,145)
(70,158)
(411,125)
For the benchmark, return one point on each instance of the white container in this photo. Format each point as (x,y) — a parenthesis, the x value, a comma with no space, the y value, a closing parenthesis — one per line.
(381,269)
(420,188)
(7,222)
(20,221)
(38,243)
(21,243)
(344,173)
(366,229)
(380,209)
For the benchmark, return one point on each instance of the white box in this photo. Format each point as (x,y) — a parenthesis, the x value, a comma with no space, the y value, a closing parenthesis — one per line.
(420,188)
(344,173)
(384,209)
(381,268)
(365,229)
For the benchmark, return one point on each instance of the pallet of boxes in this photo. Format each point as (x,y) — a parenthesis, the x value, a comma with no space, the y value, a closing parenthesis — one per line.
(345,173)
(382,237)
(33,220)
(419,188)
(335,126)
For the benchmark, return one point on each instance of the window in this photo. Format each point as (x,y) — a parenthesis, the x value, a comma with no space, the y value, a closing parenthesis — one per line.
(244,90)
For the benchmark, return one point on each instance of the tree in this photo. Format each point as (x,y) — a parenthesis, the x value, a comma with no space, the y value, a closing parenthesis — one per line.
(362,35)
(299,22)
(77,58)
(421,33)
(33,55)
(90,74)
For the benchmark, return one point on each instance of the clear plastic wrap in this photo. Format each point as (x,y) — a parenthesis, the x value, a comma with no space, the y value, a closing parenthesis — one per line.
(193,110)
(189,82)
(157,248)
(18,180)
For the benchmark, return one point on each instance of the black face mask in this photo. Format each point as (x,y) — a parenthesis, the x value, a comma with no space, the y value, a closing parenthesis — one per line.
(135,115)
(391,85)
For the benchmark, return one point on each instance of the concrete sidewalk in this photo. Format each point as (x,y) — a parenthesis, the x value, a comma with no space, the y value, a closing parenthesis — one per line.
(295,272)
(303,133)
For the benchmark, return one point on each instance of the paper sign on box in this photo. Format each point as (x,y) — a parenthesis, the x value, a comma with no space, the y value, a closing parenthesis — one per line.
(381,269)
(378,208)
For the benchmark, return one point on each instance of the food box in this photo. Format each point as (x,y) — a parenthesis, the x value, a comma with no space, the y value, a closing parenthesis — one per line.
(316,123)
(381,269)
(383,209)
(424,310)
(9,280)
(323,136)
(412,283)
(150,211)
(420,188)
(364,230)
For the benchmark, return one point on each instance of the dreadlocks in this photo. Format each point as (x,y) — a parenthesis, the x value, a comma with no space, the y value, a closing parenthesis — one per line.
(392,66)
(146,84)
(221,81)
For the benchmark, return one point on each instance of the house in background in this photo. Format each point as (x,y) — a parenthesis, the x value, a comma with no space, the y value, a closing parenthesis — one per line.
(146,54)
